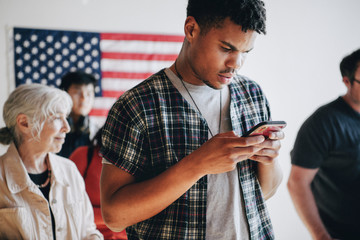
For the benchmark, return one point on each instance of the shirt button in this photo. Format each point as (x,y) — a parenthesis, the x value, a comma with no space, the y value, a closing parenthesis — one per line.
(59,229)
(54,201)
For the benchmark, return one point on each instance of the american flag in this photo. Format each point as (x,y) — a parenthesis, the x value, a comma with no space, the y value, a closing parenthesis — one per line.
(118,60)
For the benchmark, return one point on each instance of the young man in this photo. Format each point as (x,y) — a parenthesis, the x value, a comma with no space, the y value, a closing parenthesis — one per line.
(81,88)
(175,164)
(324,181)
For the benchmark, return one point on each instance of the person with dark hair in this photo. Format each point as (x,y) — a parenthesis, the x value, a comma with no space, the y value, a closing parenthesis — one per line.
(325,173)
(174,163)
(42,195)
(81,88)
(88,161)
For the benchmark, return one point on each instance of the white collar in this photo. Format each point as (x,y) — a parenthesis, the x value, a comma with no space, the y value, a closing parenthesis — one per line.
(16,176)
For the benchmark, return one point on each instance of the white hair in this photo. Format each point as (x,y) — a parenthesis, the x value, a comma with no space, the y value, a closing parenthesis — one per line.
(37,102)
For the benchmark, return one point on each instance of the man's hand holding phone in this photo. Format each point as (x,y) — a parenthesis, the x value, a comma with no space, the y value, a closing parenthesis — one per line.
(265,128)
(222,152)
(269,149)
(268,170)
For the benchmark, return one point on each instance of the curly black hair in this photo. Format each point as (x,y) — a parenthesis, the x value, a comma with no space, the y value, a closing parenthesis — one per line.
(249,14)
(349,64)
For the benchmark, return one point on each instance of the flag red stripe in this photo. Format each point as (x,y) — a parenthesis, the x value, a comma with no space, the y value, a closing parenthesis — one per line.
(99,112)
(139,56)
(112,94)
(126,75)
(141,37)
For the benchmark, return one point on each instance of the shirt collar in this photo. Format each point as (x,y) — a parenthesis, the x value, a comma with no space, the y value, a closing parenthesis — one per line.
(17,177)
(56,173)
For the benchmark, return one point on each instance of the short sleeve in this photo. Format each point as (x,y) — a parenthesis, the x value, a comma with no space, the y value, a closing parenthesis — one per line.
(313,141)
(123,137)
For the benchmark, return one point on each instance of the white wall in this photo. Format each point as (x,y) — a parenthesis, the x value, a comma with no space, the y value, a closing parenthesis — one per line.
(296,63)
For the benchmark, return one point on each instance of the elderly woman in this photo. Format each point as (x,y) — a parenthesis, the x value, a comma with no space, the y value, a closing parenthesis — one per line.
(42,195)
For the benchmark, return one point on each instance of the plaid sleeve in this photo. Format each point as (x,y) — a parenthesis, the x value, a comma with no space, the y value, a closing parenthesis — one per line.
(123,136)
(259,99)
(252,105)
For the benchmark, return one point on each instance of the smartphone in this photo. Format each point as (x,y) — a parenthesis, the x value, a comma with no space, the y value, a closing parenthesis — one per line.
(265,127)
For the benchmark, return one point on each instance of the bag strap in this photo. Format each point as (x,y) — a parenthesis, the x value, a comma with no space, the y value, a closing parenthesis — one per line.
(90,153)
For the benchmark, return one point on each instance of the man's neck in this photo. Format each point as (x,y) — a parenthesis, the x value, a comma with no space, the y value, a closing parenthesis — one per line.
(354,105)
(184,71)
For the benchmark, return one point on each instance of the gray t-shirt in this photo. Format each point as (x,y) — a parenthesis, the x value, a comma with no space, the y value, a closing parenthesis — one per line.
(225,214)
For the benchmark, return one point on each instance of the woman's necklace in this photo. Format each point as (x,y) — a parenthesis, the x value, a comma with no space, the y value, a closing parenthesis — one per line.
(182,81)
(48,177)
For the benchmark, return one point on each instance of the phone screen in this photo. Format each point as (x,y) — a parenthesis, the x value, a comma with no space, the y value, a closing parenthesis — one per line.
(264,128)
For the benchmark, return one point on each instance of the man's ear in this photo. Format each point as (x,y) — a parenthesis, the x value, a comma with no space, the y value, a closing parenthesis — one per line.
(191,29)
(347,82)
(22,123)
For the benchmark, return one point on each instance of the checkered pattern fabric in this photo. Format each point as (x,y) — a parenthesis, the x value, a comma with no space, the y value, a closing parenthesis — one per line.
(152,127)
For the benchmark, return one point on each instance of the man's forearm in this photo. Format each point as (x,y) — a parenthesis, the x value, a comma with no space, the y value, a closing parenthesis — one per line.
(270,176)
(138,201)
(305,205)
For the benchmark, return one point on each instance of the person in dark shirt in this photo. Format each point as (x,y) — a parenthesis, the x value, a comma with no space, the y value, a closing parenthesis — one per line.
(324,181)
(81,88)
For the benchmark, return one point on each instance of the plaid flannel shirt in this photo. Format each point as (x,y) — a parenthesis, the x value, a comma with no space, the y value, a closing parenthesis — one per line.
(152,127)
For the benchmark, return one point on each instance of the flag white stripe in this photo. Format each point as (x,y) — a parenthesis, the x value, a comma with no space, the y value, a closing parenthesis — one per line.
(146,47)
(137,66)
(117,84)
(103,102)
(98,120)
